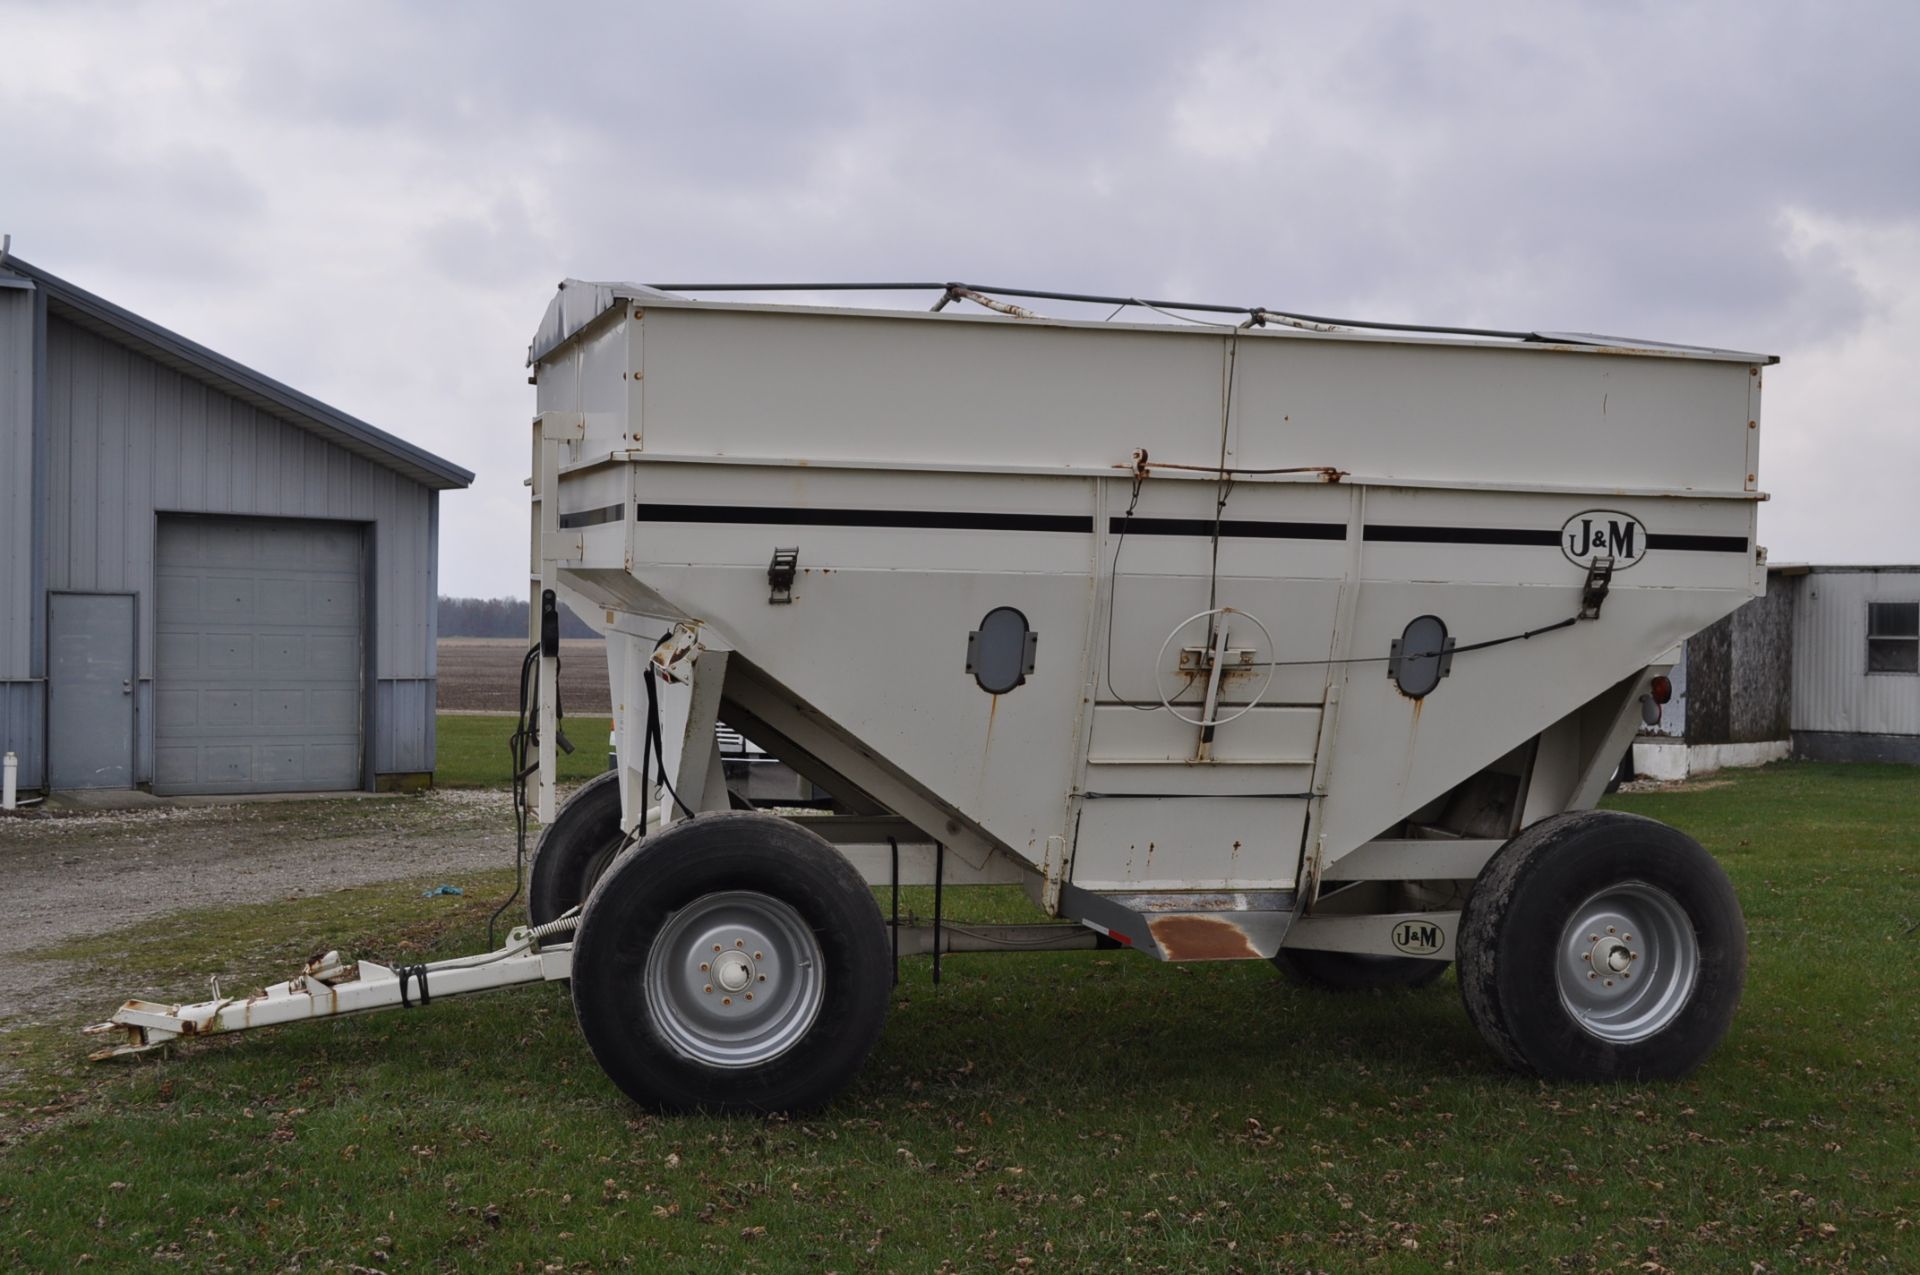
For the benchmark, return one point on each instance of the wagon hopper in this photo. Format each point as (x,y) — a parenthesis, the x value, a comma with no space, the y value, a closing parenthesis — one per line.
(1228,634)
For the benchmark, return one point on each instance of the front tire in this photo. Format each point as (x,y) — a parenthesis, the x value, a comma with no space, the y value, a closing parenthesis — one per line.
(575,849)
(731,963)
(1602,946)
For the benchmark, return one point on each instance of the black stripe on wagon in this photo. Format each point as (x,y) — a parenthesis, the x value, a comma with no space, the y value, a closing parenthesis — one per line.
(920,519)
(593,517)
(1228,527)
(1537,536)
(1464,535)
(1705,544)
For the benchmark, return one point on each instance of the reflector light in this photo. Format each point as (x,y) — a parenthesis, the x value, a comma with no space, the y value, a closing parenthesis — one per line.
(1662,690)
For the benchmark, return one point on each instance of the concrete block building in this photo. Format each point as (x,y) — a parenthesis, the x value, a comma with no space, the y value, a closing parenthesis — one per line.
(209,582)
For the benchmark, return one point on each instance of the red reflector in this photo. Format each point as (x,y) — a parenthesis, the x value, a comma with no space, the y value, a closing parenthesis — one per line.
(1662,690)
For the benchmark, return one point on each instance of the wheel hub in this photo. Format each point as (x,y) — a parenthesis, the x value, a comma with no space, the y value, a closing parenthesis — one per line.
(1610,955)
(733,972)
(734,979)
(1628,962)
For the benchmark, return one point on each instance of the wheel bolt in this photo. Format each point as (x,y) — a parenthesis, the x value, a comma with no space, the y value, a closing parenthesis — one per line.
(1590,974)
(739,942)
(749,995)
(707,988)
(726,1000)
(763,978)
(1585,956)
(704,967)
(1591,938)
(716,947)
(759,956)
(1610,929)
(1608,983)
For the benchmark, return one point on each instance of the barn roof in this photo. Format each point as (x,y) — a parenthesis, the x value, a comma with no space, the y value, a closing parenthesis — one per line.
(95,313)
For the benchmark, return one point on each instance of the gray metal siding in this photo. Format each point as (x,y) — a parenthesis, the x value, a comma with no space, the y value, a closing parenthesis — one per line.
(22,703)
(130,438)
(1832,691)
(16,483)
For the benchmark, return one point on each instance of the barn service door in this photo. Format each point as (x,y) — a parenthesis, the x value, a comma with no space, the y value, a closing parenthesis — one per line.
(259,642)
(90,690)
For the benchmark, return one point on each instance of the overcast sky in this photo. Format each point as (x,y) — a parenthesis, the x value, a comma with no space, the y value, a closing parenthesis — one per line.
(373,203)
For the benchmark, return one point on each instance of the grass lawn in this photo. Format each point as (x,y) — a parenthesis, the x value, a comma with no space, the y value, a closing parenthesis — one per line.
(472,750)
(1043,1112)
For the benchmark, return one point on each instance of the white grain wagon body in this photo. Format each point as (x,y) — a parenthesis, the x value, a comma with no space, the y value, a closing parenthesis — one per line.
(1282,639)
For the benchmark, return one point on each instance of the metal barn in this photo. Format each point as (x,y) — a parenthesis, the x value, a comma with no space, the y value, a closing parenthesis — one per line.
(209,582)
(1856,664)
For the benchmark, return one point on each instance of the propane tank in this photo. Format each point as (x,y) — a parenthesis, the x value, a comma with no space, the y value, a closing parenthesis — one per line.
(9,782)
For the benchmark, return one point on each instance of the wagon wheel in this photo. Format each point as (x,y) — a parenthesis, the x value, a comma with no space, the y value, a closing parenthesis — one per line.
(1602,946)
(1357,971)
(577,847)
(731,963)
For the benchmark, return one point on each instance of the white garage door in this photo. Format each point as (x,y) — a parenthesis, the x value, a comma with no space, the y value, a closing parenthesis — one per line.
(259,630)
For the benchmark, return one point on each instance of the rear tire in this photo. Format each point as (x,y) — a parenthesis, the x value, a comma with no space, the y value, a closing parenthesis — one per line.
(575,849)
(1357,971)
(1602,946)
(731,963)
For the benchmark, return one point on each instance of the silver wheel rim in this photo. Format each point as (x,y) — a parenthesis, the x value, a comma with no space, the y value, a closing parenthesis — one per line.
(1627,962)
(734,979)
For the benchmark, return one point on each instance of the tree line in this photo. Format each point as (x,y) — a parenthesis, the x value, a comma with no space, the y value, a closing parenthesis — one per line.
(500,618)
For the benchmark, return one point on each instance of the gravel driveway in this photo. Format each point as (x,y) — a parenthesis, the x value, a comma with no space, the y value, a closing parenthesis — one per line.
(84,874)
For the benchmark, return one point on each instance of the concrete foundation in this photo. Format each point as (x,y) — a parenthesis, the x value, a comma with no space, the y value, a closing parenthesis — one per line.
(1670,761)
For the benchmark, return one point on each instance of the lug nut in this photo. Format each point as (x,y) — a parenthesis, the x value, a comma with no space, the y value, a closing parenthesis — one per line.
(704,967)
(749,995)
(707,988)
(1608,983)
(726,1000)
(763,978)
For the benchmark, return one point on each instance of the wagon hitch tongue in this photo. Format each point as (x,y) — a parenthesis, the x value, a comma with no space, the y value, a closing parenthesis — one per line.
(328,986)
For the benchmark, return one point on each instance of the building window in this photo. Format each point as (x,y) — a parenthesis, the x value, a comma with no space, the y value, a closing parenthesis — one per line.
(1893,637)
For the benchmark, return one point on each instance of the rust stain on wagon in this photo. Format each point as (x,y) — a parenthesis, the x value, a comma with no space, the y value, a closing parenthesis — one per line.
(1201,938)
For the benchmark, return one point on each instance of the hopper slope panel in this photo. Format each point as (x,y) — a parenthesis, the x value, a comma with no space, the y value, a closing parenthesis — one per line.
(882,653)
(1393,754)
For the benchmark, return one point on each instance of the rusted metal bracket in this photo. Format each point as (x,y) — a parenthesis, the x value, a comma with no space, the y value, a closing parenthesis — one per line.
(780,573)
(1599,580)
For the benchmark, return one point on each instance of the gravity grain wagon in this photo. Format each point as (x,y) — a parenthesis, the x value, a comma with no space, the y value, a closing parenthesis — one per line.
(1229,634)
